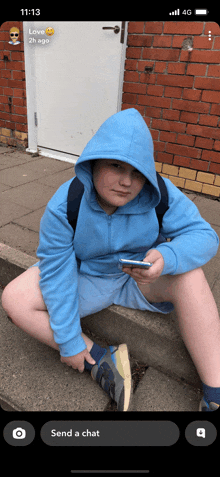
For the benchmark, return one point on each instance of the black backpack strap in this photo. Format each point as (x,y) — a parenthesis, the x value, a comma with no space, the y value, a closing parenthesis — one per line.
(74,197)
(163,206)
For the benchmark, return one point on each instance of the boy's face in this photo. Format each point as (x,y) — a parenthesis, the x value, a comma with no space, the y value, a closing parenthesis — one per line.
(116,183)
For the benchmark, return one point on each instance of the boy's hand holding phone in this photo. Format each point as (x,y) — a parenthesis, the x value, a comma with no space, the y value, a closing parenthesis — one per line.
(147,276)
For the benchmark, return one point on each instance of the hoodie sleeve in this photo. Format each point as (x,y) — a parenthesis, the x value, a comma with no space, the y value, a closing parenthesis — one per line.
(58,275)
(193,240)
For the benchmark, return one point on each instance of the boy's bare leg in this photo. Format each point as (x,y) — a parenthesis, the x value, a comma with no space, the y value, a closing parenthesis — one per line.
(197,315)
(23,301)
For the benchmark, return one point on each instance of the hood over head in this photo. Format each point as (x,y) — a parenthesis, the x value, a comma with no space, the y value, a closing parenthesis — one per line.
(125,137)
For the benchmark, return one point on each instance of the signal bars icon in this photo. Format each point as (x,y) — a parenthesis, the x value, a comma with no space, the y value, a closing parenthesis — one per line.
(176,12)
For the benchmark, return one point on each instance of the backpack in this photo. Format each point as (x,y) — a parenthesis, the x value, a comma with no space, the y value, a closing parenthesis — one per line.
(75,194)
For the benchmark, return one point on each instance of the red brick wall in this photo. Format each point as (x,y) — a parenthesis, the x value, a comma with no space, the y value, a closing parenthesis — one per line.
(179,99)
(13,111)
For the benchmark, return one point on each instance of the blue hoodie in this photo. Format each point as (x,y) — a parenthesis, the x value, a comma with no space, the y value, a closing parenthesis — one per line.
(101,239)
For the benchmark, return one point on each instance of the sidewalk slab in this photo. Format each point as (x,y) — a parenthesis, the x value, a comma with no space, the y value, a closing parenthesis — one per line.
(34,379)
(159,392)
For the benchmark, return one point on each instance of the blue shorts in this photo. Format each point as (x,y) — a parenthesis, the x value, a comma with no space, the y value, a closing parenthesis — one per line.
(97,293)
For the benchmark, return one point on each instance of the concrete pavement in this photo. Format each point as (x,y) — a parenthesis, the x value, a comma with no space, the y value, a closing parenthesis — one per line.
(33,378)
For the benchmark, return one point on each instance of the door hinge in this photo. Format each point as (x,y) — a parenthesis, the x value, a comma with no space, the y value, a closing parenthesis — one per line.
(122,32)
(35,119)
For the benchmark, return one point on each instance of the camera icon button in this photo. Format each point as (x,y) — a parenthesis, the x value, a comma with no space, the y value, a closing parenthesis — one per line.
(19,433)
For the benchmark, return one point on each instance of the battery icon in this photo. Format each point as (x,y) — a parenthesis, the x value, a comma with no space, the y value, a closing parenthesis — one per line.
(201,11)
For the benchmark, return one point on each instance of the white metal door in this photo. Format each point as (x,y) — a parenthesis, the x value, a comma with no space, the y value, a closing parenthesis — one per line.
(74,83)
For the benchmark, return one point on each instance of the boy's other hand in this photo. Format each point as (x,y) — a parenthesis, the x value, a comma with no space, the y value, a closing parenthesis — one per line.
(150,275)
(77,361)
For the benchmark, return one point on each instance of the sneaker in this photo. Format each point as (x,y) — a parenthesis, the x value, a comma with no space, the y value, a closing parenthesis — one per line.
(113,374)
(205,407)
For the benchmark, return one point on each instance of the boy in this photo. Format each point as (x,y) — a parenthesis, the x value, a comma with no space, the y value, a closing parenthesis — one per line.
(78,273)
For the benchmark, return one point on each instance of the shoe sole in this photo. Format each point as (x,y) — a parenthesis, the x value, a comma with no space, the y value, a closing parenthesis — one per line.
(123,366)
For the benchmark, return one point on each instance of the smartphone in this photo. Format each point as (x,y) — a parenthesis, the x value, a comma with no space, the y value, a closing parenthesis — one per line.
(133,264)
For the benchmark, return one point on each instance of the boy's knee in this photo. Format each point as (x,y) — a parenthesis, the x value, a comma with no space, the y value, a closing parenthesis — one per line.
(7,298)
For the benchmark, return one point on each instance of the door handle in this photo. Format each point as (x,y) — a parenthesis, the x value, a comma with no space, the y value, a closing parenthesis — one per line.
(116,28)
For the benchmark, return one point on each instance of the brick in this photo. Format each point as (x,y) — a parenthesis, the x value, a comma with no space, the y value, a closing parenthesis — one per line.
(208,120)
(173,170)
(153,27)
(133,52)
(198,56)
(192,28)
(171,114)
(167,136)
(217,145)
(193,106)
(160,67)
(215,109)
(162,41)
(215,168)
(202,42)
(160,54)
(141,64)
(196,70)
(6,132)
(183,150)
(18,75)
(155,136)
(204,143)
(135,27)
(131,64)
(217,180)
(208,83)
(213,70)
(6,74)
(159,146)
(134,88)
(8,91)
(20,110)
(189,117)
(205,177)
(193,185)
(155,90)
(164,157)
(211,96)
(192,94)
(16,84)
(203,131)
(131,76)
(177,181)
(178,41)
(175,80)
(129,98)
(211,190)
(158,166)
(187,173)
(17,56)
(176,68)
(172,126)
(199,165)
(20,135)
(213,26)
(182,161)
(153,112)
(172,92)
(139,40)
(148,78)
(185,139)
(22,127)
(211,156)
(154,101)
